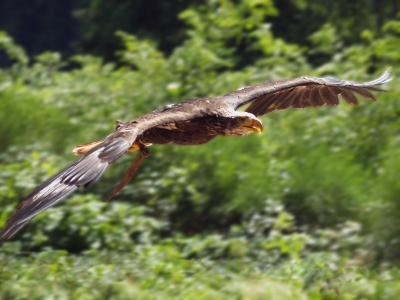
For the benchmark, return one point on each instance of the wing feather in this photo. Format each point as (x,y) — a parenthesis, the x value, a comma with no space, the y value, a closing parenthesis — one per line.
(329,98)
(362,92)
(84,171)
(302,92)
(267,100)
(375,89)
(305,98)
(287,100)
(315,97)
(335,91)
(272,105)
(349,97)
(296,98)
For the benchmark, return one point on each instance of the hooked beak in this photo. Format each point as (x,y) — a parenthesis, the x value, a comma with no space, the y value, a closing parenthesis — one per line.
(253,125)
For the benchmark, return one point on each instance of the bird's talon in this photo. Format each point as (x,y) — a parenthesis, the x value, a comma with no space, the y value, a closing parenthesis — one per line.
(143,150)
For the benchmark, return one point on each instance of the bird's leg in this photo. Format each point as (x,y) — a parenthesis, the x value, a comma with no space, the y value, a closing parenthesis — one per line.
(144,152)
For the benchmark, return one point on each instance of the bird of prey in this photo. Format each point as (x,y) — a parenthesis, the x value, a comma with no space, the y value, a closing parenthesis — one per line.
(191,122)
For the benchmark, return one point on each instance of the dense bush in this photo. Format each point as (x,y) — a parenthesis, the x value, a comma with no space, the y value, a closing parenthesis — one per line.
(309,209)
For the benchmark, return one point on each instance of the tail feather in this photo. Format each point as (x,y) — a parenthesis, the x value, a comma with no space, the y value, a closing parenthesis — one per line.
(85,148)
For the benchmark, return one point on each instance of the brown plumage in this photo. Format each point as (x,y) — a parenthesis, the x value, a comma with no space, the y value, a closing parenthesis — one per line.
(191,122)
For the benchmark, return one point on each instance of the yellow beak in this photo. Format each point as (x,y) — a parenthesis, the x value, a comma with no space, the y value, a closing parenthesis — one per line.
(253,125)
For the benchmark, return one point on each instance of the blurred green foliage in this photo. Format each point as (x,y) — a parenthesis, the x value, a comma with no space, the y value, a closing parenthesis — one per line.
(307,210)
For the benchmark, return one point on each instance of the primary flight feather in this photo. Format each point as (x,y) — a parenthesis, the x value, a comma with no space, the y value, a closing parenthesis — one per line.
(191,122)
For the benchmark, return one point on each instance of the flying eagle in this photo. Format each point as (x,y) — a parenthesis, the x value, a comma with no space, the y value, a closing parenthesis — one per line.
(191,122)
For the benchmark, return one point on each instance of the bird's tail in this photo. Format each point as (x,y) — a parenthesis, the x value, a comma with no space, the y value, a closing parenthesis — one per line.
(85,148)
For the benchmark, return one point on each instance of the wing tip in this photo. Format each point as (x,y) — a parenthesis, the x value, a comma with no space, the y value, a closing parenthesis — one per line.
(6,233)
(383,79)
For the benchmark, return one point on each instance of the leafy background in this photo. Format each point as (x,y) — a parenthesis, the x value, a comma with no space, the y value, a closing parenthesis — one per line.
(307,210)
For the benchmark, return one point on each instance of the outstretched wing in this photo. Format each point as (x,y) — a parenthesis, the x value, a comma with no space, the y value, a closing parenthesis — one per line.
(84,171)
(89,167)
(302,92)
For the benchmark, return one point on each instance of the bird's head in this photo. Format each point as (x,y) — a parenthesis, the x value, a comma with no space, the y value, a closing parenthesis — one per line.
(244,124)
(252,124)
